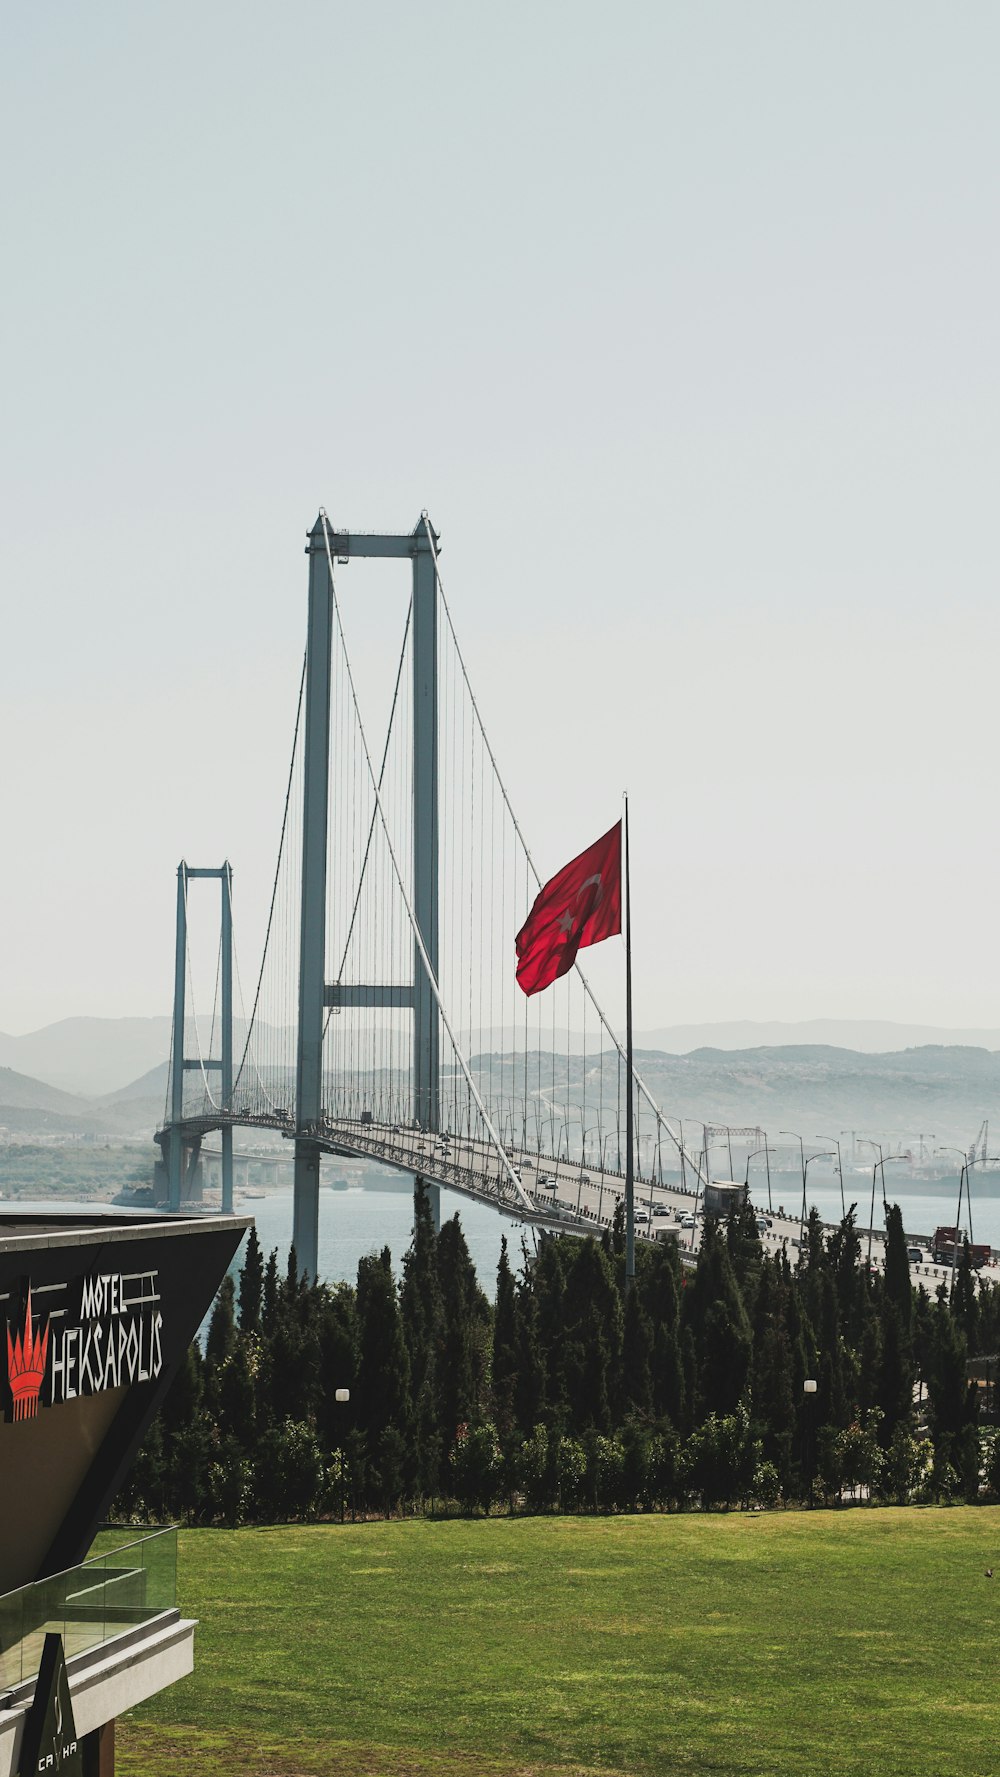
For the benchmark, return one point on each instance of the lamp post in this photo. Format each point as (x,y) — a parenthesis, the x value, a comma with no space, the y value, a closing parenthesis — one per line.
(342,1396)
(766,1151)
(809,1388)
(808,1162)
(878,1167)
(963,1184)
(967,1166)
(802,1156)
(840,1172)
(583,1161)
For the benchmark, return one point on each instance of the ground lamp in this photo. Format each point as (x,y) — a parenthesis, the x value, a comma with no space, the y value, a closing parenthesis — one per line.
(809,1388)
(342,1396)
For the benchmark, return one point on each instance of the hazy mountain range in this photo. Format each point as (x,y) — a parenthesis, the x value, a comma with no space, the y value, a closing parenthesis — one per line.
(98,1057)
(107,1078)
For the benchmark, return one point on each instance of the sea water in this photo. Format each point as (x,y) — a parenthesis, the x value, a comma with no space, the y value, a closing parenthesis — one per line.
(355,1222)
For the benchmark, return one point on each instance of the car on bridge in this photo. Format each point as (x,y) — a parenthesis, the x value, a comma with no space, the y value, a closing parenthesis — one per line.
(547,1182)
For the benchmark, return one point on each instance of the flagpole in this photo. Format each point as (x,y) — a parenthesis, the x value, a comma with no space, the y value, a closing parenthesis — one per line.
(629,1130)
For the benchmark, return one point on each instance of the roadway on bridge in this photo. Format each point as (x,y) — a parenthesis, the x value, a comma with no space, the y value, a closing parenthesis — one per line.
(573,1197)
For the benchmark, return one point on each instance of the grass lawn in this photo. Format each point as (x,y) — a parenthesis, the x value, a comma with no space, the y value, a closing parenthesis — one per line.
(852,1642)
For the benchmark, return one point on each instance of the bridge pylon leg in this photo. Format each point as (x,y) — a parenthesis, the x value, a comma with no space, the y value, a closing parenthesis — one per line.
(227,1169)
(227,1037)
(176,1154)
(426,1032)
(312,931)
(305,1209)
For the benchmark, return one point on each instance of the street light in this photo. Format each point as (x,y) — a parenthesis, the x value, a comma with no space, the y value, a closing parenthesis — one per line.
(342,1396)
(879,1166)
(802,1156)
(840,1171)
(967,1166)
(766,1151)
(809,1160)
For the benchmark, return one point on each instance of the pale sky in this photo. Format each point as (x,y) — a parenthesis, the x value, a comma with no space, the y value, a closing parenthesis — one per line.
(679,319)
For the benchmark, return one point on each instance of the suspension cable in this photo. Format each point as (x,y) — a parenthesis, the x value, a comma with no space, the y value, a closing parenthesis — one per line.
(512,1177)
(274,896)
(643,1088)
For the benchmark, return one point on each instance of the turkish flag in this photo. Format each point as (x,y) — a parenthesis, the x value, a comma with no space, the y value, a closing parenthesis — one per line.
(579,906)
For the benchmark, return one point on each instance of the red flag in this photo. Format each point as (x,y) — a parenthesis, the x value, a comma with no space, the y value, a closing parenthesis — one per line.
(579,906)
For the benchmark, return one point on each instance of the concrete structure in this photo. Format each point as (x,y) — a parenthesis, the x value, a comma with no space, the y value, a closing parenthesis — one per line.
(315,995)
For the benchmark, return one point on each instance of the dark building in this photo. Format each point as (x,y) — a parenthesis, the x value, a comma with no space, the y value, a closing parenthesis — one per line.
(98,1311)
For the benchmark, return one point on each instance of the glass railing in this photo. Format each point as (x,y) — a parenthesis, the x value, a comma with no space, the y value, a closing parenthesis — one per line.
(107,1594)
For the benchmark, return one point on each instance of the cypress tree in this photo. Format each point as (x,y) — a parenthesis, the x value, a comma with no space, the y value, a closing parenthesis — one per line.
(221,1340)
(505,1355)
(659,1286)
(548,1286)
(235,1395)
(591,1335)
(898,1288)
(270,1307)
(844,1249)
(529,1375)
(337,1349)
(251,1285)
(896,1374)
(420,1296)
(947,1385)
(383,1366)
(964,1305)
(637,1361)
(460,1379)
(713,1308)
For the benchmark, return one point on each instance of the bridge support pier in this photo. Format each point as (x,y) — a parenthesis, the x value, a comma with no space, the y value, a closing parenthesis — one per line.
(305,1209)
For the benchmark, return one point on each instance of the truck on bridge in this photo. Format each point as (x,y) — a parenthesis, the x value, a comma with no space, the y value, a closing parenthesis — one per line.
(947,1248)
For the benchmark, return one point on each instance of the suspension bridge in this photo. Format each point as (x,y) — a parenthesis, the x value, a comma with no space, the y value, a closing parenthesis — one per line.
(386,1023)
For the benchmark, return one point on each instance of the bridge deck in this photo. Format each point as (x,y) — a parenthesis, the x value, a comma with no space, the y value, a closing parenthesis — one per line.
(574,1198)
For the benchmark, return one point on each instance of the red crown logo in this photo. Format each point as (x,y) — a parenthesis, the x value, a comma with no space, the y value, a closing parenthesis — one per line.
(26,1357)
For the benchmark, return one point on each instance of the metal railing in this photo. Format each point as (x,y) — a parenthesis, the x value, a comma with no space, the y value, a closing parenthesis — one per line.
(106,1595)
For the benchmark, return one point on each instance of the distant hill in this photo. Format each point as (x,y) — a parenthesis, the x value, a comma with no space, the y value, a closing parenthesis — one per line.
(942,1089)
(33,1107)
(21,1092)
(151,1085)
(89,1055)
(870,1036)
(93,1056)
(939,1090)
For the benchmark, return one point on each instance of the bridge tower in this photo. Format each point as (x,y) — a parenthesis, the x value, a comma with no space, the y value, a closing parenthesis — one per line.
(315,995)
(180,1152)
